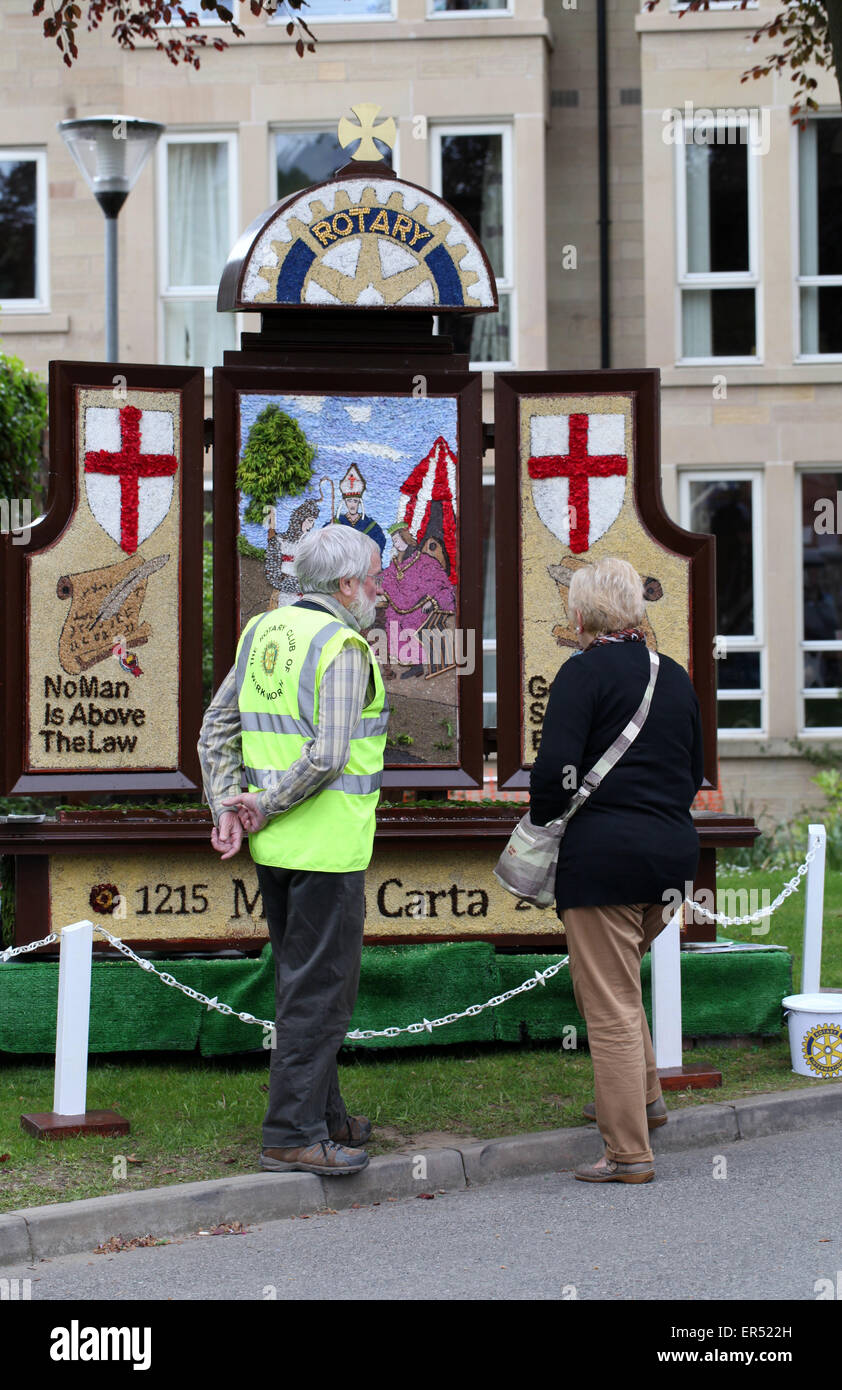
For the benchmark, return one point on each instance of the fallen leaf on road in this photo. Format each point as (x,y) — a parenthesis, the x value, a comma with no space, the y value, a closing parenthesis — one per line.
(115,1244)
(427,1196)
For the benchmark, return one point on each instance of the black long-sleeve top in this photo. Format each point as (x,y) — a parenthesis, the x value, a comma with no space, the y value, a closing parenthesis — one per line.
(634,838)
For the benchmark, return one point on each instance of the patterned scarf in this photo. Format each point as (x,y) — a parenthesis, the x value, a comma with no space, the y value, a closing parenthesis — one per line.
(620,634)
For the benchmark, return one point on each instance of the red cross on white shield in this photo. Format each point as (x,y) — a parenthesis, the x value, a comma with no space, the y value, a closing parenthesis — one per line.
(578,466)
(129,468)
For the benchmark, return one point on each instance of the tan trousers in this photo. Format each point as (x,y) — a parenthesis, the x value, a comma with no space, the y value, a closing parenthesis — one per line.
(606,945)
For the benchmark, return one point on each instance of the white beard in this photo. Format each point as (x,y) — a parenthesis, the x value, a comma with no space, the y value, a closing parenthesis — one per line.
(364,610)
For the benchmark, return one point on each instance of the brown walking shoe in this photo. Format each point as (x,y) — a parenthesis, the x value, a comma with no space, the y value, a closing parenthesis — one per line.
(656,1112)
(354,1134)
(324,1157)
(609,1170)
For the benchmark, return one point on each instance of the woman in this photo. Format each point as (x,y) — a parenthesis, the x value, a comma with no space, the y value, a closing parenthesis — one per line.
(280,552)
(632,842)
(415,584)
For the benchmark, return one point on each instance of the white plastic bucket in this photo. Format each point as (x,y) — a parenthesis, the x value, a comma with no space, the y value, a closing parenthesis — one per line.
(815,1034)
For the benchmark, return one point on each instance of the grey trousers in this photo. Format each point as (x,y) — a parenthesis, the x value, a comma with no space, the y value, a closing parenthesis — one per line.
(315,923)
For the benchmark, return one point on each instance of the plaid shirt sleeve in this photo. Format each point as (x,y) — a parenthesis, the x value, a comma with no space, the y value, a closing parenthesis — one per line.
(342,696)
(220,749)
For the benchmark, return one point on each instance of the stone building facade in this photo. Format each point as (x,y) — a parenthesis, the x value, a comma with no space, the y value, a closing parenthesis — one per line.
(721,263)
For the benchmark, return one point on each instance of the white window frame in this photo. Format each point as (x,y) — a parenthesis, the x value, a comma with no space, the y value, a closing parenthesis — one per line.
(207,503)
(754,642)
(710,280)
(827,731)
(506,282)
(168,294)
(807,281)
(309,128)
(41,302)
(471,11)
(207,19)
(283,16)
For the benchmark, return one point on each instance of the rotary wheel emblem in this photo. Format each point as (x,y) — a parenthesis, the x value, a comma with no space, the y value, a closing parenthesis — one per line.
(270,656)
(369,253)
(822,1049)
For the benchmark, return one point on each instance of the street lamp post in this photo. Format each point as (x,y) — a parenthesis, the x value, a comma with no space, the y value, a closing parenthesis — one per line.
(110,152)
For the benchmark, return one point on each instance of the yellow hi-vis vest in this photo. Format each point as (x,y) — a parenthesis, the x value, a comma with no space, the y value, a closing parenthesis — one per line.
(281,656)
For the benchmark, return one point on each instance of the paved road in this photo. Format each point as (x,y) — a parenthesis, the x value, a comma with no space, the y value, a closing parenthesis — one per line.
(768,1229)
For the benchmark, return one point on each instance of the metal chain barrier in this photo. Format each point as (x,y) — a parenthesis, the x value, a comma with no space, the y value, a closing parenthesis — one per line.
(266,1024)
(791,887)
(540,977)
(31,946)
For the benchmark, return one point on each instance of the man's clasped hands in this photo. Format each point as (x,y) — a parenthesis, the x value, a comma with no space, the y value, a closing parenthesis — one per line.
(227,836)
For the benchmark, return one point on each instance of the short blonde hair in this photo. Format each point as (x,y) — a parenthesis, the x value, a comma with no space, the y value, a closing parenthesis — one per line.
(609,595)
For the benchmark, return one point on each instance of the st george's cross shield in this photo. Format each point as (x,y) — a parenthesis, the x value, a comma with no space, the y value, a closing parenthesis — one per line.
(578,468)
(129,470)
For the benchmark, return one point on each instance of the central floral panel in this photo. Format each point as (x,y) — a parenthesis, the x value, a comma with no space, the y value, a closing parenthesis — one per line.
(400,468)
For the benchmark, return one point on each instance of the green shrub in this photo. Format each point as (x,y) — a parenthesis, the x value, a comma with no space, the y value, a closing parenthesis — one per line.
(830,781)
(23,419)
(251,552)
(277,461)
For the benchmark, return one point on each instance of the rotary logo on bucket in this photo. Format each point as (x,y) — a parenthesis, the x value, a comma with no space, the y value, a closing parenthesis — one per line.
(815,1034)
(821,1049)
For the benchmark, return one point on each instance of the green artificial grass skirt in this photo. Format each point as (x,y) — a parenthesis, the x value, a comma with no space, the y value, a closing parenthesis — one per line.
(738,992)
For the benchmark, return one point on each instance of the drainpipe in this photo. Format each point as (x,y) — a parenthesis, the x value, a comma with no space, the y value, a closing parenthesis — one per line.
(604,220)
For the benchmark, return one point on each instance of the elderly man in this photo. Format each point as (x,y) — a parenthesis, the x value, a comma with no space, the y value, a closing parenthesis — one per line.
(303,714)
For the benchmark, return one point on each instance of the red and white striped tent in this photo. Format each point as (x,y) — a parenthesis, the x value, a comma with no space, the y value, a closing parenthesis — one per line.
(433,480)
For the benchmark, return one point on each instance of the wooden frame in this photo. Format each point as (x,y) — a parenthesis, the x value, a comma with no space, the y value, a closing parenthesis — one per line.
(17,777)
(643,386)
(295,375)
(413,831)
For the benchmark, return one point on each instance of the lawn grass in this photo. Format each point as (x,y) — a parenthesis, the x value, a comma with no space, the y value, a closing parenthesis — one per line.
(197,1118)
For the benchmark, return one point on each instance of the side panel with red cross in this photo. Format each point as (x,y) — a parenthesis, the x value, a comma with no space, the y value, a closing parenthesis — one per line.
(103,628)
(578,478)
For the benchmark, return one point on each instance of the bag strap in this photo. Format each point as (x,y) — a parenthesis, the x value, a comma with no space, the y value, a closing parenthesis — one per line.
(624,740)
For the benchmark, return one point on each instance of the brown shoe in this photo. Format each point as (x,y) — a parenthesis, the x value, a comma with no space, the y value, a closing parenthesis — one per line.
(354,1134)
(324,1157)
(609,1170)
(656,1113)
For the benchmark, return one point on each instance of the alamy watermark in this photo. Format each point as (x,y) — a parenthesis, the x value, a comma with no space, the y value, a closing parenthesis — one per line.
(828,518)
(16,519)
(721,125)
(729,902)
(15,1290)
(436,649)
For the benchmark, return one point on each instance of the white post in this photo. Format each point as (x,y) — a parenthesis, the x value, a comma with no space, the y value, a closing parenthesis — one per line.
(74,1003)
(666,995)
(811,960)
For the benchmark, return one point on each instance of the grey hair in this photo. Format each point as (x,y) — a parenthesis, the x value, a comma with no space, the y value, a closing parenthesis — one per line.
(332,553)
(609,595)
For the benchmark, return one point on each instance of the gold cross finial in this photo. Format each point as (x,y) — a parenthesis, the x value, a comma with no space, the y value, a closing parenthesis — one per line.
(365,132)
